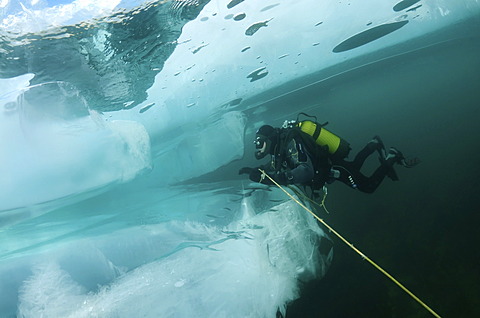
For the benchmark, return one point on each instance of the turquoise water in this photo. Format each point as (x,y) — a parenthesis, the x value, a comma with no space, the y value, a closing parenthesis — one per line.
(123,126)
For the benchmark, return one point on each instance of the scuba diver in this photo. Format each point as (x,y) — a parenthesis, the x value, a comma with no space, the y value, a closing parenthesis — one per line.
(304,153)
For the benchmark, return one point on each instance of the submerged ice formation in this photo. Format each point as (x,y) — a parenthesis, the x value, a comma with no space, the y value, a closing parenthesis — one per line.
(250,267)
(201,148)
(53,136)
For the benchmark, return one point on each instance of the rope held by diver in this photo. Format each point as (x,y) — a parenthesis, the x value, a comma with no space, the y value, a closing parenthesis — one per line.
(264,174)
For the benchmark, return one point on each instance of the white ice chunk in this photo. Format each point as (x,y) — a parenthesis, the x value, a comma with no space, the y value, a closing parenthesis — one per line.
(249,268)
(53,146)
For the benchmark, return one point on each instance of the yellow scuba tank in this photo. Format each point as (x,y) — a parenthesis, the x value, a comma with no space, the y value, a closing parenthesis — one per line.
(337,147)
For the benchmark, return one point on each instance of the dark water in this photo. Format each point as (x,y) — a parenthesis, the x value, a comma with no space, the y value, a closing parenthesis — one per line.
(424,228)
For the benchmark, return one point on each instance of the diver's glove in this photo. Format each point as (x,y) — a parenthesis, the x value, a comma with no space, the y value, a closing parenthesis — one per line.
(254,174)
(245,170)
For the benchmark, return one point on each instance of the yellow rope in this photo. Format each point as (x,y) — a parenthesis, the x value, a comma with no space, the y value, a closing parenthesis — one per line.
(321,204)
(264,174)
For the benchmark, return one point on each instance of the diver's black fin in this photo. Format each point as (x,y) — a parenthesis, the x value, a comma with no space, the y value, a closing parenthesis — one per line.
(391,173)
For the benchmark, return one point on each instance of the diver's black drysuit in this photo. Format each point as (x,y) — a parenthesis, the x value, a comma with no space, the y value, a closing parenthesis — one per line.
(297,166)
(350,171)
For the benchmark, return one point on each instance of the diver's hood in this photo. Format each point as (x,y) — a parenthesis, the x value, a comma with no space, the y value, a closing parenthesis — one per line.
(265,141)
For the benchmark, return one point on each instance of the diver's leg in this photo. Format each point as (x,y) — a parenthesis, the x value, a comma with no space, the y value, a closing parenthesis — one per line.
(393,157)
(361,156)
(373,145)
(371,184)
(353,178)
